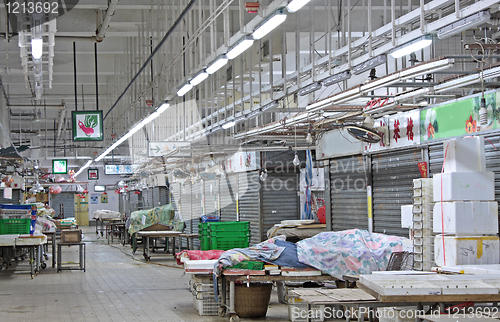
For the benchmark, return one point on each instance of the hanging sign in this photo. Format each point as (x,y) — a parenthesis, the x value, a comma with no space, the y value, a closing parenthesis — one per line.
(404,130)
(87,125)
(422,167)
(459,118)
(93,174)
(159,148)
(104,197)
(110,169)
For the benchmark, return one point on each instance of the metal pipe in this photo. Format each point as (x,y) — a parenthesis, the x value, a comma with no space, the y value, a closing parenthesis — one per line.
(74,76)
(61,106)
(96,79)
(101,31)
(157,48)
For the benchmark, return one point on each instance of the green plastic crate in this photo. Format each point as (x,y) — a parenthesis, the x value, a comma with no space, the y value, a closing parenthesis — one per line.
(229,226)
(251,265)
(229,233)
(15,226)
(225,243)
(204,242)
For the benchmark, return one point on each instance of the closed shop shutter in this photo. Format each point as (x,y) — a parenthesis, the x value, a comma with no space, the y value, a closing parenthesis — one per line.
(196,200)
(68,200)
(175,190)
(211,195)
(393,173)
(492,156)
(186,210)
(249,202)
(134,200)
(17,197)
(280,200)
(160,196)
(348,193)
(228,190)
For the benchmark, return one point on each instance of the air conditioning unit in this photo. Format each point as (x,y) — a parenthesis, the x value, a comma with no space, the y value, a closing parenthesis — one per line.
(160,180)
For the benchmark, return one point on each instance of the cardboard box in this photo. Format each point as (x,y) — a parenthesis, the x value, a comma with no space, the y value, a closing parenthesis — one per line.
(42,197)
(69,236)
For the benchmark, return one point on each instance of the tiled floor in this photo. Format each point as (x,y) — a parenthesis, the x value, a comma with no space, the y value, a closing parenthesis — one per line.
(117,286)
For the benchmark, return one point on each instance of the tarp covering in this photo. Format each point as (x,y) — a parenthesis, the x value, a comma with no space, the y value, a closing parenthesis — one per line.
(158,215)
(106,214)
(348,252)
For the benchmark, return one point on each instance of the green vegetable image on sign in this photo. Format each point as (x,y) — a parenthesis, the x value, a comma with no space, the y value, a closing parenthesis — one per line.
(87,126)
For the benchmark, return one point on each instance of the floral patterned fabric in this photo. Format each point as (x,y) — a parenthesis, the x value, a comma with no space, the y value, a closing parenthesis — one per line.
(198,255)
(348,252)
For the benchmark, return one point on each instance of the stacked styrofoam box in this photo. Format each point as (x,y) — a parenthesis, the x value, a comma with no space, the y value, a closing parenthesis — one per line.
(297,311)
(465,209)
(423,241)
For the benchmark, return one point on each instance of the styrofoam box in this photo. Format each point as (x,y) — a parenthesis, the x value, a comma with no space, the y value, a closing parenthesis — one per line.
(466,250)
(418,266)
(422,241)
(297,311)
(422,224)
(417,209)
(406,216)
(466,217)
(424,249)
(423,257)
(425,232)
(458,186)
(407,245)
(422,182)
(423,200)
(464,155)
(424,191)
(425,216)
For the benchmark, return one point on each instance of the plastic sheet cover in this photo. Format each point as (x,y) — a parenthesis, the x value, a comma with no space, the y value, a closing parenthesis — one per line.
(158,215)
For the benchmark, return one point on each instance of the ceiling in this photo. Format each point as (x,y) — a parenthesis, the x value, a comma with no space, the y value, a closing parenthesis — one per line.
(315,41)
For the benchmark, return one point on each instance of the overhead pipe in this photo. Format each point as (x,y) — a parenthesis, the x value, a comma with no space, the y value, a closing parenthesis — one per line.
(60,125)
(101,31)
(60,106)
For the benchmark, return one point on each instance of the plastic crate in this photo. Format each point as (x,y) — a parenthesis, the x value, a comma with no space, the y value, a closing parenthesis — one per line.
(204,242)
(15,226)
(225,243)
(205,219)
(229,226)
(251,265)
(229,233)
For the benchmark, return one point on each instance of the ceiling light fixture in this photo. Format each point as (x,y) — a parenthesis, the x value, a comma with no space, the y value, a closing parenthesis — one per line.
(217,64)
(309,89)
(184,89)
(83,168)
(464,24)
(269,106)
(36,48)
(337,78)
(369,64)
(412,46)
(228,125)
(295,5)
(240,47)
(269,24)
(200,77)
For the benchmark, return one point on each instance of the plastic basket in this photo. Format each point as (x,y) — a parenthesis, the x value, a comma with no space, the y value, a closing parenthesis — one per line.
(204,242)
(229,234)
(251,265)
(229,226)
(224,243)
(15,226)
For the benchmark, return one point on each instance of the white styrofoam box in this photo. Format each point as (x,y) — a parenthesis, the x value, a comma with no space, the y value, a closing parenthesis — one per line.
(407,245)
(425,216)
(465,186)
(490,269)
(297,311)
(423,200)
(424,232)
(417,209)
(424,249)
(423,240)
(470,250)
(422,182)
(466,217)
(424,191)
(406,216)
(464,155)
(399,285)
(422,224)
(199,264)
(419,266)
(466,287)
(423,257)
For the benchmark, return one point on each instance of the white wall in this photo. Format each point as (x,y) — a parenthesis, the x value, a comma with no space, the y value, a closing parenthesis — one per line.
(103,180)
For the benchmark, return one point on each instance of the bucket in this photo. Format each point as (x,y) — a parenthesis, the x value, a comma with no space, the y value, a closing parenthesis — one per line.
(252,302)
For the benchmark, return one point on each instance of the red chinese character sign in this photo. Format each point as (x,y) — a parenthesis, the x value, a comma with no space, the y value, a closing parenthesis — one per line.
(403,131)
(422,167)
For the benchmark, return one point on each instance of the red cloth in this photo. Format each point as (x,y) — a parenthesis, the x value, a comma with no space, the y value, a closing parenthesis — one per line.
(198,254)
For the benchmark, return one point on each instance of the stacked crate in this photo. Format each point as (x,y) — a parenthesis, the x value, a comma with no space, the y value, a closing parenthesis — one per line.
(202,288)
(465,211)
(423,240)
(224,235)
(17,219)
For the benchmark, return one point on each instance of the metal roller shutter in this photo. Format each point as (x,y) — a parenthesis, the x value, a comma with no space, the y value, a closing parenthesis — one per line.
(134,200)
(228,190)
(16,197)
(175,190)
(492,156)
(393,175)
(280,200)
(186,211)
(211,194)
(348,193)
(196,200)
(249,203)
(68,200)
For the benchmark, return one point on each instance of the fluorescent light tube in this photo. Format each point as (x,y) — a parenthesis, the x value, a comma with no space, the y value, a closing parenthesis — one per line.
(295,5)
(309,89)
(36,48)
(240,47)
(269,106)
(200,77)
(464,24)
(217,64)
(270,24)
(412,46)
(369,64)
(253,113)
(345,75)
(163,107)
(184,89)
(228,125)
